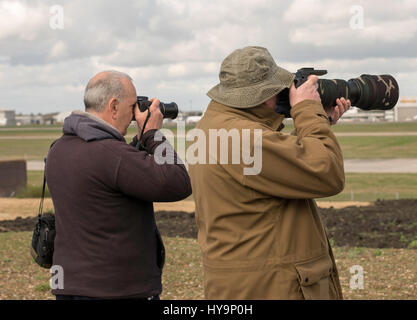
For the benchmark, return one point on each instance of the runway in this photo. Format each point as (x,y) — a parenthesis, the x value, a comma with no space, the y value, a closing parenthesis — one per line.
(351,165)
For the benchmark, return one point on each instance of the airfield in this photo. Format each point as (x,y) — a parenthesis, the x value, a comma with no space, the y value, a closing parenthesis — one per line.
(372,223)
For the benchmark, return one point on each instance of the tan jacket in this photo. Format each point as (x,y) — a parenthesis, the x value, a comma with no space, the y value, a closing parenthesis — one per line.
(261,235)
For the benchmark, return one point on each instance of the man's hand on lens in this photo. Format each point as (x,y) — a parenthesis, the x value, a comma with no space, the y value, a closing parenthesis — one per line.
(155,119)
(336,112)
(307,91)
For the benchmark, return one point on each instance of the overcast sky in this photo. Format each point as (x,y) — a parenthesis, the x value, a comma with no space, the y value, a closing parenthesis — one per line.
(173,48)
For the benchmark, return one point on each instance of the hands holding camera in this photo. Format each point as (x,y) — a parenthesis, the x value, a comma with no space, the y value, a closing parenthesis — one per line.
(155,118)
(308,91)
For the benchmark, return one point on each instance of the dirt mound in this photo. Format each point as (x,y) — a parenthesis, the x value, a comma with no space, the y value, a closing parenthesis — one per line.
(18,224)
(384,224)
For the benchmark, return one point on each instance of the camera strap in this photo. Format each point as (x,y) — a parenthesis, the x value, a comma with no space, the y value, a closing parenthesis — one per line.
(43,194)
(139,144)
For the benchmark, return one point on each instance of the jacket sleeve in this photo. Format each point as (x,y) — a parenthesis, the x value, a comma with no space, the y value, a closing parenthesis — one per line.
(306,165)
(143,174)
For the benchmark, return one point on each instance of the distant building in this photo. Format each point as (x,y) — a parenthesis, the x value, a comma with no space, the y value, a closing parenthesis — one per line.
(41,119)
(29,119)
(406,110)
(7,118)
(357,115)
(49,118)
(192,119)
(60,117)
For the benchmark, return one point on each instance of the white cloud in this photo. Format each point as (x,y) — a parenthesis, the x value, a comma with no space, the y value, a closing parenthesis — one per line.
(391,31)
(325,23)
(173,48)
(21,21)
(59,49)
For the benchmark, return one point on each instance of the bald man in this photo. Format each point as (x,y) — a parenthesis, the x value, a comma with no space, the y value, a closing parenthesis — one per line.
(103,190)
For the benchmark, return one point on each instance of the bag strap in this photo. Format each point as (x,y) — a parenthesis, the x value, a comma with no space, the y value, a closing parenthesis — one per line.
(44,186)
(43,194)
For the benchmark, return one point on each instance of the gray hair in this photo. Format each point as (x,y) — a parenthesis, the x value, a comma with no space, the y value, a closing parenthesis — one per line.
(103,88)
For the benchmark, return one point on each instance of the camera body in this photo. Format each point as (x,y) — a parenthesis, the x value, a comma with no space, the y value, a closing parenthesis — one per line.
(168,110)
(367,92)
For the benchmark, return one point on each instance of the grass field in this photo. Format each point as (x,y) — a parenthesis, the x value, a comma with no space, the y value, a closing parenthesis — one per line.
(373,186)
(352,147)
(358,186)
(388,273)
(33,149)
(368,127)
(378,147)
(32,143)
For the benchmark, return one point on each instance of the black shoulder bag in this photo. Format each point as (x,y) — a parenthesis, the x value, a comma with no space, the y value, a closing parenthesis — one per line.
(42,249)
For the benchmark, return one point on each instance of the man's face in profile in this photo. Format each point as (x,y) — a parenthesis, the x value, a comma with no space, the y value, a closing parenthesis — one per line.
(126,107)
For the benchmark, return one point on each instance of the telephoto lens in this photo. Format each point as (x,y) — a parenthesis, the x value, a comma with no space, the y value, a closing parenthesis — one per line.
(168,110)
(368,92)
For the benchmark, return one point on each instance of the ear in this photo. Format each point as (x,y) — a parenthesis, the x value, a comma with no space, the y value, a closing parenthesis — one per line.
(114,107)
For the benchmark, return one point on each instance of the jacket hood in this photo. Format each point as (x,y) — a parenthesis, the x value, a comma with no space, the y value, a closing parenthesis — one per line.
(90,127)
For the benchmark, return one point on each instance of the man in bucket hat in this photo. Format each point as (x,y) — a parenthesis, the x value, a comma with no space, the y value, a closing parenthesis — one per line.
(260,234)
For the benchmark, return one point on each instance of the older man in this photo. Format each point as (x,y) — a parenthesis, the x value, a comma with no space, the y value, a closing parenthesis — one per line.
(260,233)
(103,190)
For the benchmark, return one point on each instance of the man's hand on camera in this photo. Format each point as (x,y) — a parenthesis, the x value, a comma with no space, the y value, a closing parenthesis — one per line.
(336,112)
(155,119)
(307,91)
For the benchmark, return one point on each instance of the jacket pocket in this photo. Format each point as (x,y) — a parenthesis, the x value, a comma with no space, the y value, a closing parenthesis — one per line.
(315,280)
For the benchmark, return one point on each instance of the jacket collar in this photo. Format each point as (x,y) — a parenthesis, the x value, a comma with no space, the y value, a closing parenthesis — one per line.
(259,113)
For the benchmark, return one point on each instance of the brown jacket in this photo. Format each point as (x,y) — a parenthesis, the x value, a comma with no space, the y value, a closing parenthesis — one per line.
(261,235)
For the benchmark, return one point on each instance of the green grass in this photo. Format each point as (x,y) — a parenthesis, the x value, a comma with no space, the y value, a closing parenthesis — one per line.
(340,127)
(32,132)
(35,178)
(21,278)
(365,147)
(353,147)
(373,186)
(364,186)
(368,127)
(34,186)
(29,149)
(378,147)
(31,127)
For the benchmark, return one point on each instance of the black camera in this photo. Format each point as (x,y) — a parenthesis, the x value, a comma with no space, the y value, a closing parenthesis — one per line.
(168,110)
(367,92)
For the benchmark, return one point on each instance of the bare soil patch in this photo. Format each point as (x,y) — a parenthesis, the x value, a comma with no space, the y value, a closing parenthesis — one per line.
(384,224)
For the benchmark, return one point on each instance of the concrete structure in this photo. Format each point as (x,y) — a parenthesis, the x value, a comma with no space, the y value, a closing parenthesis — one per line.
(7,118)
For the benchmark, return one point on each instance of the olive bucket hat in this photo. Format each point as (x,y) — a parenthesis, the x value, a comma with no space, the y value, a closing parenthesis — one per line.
(249,77)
